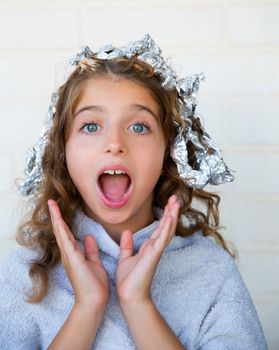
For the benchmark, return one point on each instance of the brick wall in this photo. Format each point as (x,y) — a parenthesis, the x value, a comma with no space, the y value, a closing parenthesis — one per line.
(236,43)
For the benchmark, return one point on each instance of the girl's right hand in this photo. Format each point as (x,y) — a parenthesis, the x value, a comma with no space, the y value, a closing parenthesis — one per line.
(85,271)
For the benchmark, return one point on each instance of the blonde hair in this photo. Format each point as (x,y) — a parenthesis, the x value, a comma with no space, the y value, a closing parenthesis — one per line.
(36,231)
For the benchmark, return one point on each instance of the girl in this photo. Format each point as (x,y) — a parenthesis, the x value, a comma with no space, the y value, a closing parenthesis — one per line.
(118,247)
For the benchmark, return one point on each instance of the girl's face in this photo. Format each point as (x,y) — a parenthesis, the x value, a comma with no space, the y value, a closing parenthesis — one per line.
(115,153)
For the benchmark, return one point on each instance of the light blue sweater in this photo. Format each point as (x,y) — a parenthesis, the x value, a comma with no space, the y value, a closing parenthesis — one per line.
(197,288)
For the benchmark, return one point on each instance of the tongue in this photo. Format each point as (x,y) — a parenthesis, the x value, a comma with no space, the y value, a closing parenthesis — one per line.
(114,186)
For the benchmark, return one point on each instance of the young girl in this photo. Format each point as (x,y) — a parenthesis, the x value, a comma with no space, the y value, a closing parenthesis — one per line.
(118,245)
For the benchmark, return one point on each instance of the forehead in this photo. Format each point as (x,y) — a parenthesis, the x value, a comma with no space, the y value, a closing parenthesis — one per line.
(114,92)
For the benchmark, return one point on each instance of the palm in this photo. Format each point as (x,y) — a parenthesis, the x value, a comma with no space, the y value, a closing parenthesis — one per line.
(88,277)
(135,273)
(85,271)
(99,275)
(137,264)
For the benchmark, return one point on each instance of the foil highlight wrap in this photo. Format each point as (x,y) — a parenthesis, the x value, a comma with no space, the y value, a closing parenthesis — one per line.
(33,165)
(209,165)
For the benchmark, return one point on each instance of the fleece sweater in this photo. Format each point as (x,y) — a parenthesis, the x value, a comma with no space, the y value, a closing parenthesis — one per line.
(197,288)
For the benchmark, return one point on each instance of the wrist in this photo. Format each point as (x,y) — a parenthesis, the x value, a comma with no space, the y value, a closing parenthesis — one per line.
(80,328)
(89,310)
(134,306)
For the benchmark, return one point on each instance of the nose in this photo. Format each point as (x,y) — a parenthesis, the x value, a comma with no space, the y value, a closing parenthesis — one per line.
(115,143)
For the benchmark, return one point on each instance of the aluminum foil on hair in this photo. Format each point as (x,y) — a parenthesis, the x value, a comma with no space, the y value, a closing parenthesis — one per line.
(187,89)
(145,50)
(33,166)
(210,165)
(84,53)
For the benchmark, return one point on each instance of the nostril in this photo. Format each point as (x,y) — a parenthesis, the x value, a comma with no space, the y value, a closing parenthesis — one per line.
(115,148)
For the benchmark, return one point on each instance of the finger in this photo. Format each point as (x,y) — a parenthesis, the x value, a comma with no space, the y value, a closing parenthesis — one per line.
(171,202)
(57,231)
(158,229)
(169,222)
(162,240)
(57,234)
(58,220)
(54,226)
(91,249)
(53,204)
(65,240)
(54,212)
(174,206)
(67,246)
(172,199)
(167,209)
(174,214)
(126,245)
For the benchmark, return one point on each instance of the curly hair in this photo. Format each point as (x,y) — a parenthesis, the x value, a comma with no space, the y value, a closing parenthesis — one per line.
(36,231)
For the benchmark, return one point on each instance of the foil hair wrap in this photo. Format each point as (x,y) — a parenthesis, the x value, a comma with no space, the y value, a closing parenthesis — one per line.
(33,166)
(209,165)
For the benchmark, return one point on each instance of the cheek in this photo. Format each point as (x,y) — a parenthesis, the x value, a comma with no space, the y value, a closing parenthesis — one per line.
(76,161)
(152,162)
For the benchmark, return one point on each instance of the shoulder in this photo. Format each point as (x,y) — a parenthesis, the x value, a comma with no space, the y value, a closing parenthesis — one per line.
(18,328)
(201,253)
(226,313)
(231,318)
(20,254)
(14,270)
(205,265)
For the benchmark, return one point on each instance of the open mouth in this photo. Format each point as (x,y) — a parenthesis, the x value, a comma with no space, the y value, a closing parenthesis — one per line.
(115,187)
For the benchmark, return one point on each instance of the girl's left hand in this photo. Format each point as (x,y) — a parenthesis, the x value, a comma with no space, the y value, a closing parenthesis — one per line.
(134,274)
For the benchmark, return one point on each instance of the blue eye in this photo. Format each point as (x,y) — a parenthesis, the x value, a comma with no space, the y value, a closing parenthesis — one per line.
(90,128)
(140,128)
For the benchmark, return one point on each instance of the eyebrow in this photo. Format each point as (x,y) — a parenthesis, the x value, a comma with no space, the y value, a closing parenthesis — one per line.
(132,108)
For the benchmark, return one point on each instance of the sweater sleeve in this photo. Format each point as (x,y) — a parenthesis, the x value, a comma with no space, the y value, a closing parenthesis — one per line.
(18,329)
(232,322)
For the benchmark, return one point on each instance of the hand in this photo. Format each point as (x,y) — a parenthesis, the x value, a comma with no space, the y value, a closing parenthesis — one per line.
(134,274)
(85,271)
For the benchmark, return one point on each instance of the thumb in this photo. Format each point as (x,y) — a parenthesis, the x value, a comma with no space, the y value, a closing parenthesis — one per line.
(126,245)
(91,249)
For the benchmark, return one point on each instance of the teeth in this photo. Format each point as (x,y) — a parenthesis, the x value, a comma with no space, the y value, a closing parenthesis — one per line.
(113,172)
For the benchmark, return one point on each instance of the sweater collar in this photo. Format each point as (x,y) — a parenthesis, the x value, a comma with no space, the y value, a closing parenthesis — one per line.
(87,226)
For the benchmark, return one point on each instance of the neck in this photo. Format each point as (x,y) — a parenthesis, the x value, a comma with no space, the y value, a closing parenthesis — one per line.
(115,230)
(134,223)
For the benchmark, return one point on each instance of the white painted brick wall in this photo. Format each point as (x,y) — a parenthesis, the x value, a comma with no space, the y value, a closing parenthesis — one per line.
(257,24)
(38,27)
(6,174)
(6,72)
(252,113)
(235,42)
(167,22)
(23,121)
(256,172)
(241,228)
(232,73)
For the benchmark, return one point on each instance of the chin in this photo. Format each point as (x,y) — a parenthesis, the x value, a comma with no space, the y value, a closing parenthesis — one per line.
(107,215)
